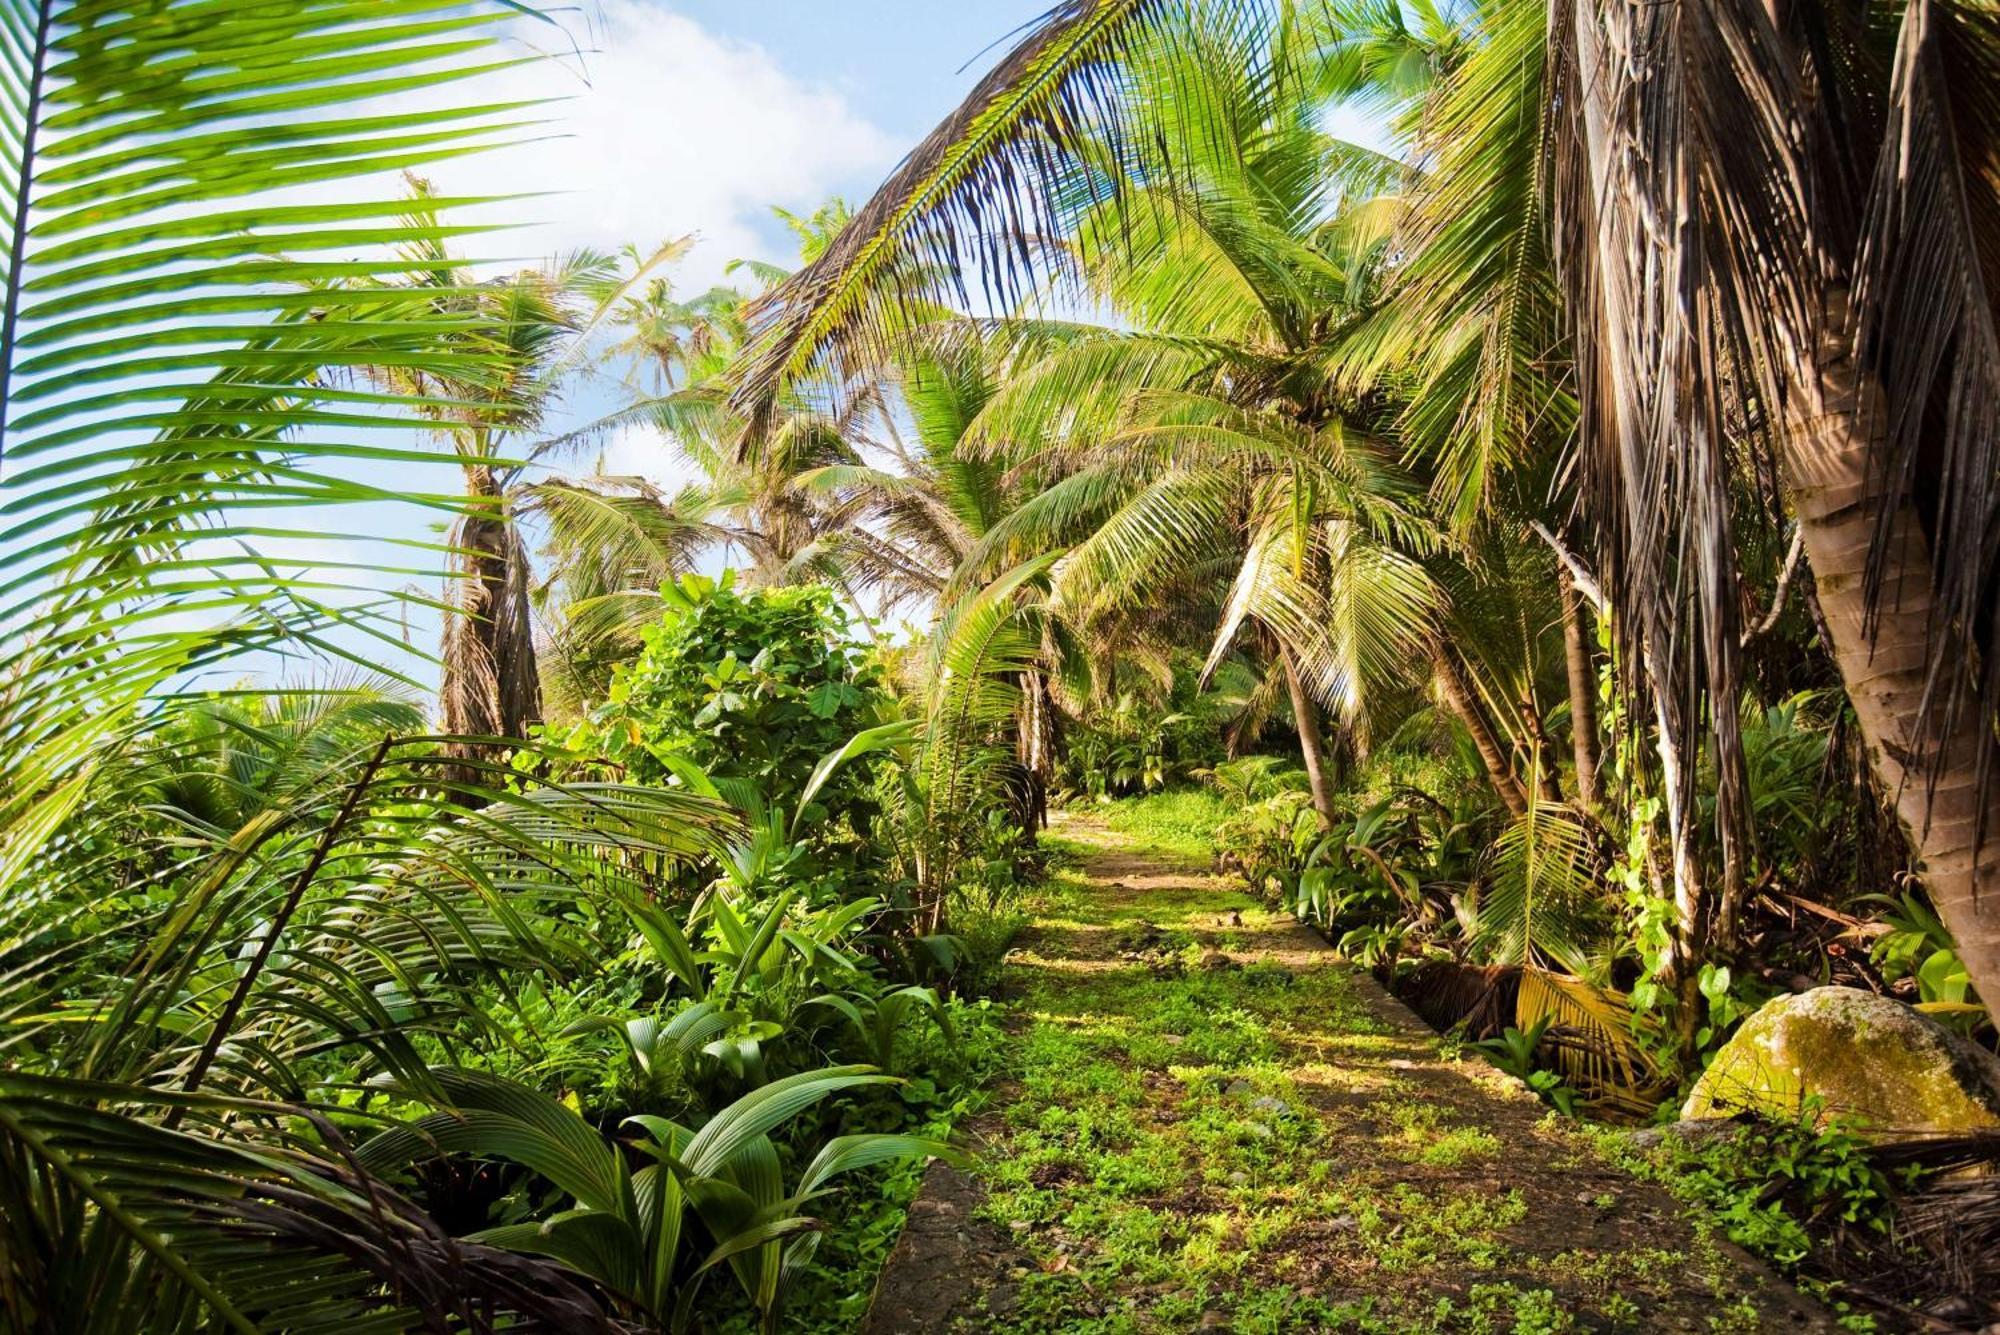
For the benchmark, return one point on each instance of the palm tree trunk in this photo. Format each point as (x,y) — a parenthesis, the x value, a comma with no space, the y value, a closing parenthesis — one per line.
(1608,212)
(1305,715)
(489,684)
(1458,698)
(1930,764)
(1582,692)
(1035,750)
(1542,764)
(1933,760)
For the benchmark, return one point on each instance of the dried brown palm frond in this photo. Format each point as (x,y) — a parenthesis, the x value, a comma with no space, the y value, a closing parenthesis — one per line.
(1592,1041)
(1736,282)
(1957,1221)
(1662,337)
(1926,280)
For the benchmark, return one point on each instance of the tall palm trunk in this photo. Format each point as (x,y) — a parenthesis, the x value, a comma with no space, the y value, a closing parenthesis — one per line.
(1934,761)
(1582,692)
(1459,699)
(1610,214)
(1035,742)
(489,686)
(1930,764)
(1312,748)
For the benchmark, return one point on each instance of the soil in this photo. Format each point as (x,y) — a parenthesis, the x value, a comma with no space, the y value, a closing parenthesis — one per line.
(1214,1122)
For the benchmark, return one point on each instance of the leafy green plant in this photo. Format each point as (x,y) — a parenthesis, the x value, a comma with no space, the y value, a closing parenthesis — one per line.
(753,690)
(1267,843)
(627,1228)
(1917,946)
(1373,946)
(1140,741)
(1725,1008)
(1772,1184)
(1515,1052)
(335,935)
(877,1019)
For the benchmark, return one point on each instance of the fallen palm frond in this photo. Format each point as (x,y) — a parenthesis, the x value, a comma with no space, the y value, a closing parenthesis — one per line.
(1592,1040)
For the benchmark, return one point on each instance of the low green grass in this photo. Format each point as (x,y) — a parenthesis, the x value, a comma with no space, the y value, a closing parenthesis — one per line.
(1192,1145)
(1178,822)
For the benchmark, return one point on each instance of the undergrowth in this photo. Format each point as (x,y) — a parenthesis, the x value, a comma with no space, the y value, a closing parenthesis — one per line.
(1194,1142)
(1179,822)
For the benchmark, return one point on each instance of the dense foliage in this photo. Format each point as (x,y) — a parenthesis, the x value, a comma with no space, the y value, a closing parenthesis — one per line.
(1584,622)
(754,687)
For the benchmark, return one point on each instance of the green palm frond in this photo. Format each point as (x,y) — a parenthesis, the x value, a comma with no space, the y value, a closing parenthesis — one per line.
(1473,327)
(1353,629)
(608,534)
(1151,538)
(367,898)
(240,1235)
(354,914)
(977,653)
(1541,897)
(1082,388)
(1053,518)
(1024,148)
(181,337)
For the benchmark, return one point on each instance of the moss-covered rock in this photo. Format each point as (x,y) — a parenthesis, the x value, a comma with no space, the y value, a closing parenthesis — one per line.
(1871,1060)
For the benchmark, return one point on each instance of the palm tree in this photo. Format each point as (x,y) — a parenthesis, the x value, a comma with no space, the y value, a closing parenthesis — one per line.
(1819,304)
(533,323)
(611,541)
(182,330)
(1201,454)
(1839,306)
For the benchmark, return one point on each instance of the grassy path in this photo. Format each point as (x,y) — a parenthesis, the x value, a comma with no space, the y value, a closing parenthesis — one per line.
(1213,1123)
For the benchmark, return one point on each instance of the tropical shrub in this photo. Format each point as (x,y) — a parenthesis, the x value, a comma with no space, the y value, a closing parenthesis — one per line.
(627,1226)
(753,689)
(1137,743)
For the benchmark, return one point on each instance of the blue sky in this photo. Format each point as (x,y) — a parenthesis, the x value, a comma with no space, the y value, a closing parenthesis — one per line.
(899,61)
(698,115)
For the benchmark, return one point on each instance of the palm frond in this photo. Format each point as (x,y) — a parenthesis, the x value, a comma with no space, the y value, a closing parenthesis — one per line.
(177,340)
(1019,158)
(239,1235)
(1924,310)
(1540,896)
(1593,1039)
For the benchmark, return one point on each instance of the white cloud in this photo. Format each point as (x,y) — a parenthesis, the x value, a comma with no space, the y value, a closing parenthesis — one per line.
(669,128)
(643,450)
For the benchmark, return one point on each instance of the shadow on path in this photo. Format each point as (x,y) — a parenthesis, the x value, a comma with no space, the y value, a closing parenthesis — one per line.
(1212,1122)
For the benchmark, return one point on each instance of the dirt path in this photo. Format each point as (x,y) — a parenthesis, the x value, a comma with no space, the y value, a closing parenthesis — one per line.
(1214,1123)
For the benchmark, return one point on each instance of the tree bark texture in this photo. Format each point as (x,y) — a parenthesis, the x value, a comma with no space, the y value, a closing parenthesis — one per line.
(490,685)
(1459,699)
(1312,748)
(1927,762)
(1582,669)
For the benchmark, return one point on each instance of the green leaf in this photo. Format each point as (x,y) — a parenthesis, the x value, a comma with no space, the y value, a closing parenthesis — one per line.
(763,1110)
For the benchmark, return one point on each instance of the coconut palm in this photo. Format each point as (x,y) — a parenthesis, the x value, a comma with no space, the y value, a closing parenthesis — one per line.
(1821,304)
(1199,455)
(537,328)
